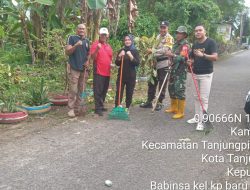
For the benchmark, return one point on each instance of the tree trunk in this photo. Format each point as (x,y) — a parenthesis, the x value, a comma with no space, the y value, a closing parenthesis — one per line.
(84,11)
(114,15)
(92,20)
(129,15)
(89,21)
(38,29)
(132,14)
(118,10)
(97,21)
(27,36)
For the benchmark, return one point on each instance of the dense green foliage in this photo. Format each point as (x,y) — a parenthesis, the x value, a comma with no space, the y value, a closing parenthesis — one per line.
(33,34)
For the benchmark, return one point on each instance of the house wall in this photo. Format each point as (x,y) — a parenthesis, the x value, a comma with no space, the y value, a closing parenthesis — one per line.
(225,30)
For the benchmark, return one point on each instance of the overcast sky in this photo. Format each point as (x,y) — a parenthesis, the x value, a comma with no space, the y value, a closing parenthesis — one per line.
(247,3)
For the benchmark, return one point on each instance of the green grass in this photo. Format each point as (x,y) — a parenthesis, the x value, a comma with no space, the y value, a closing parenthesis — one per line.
(27,77)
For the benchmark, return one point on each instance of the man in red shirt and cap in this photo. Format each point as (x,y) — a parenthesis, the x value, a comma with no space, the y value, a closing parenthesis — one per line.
(101,53)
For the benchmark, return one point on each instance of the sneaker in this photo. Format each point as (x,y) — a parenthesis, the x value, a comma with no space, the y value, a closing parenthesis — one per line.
(77,113)
(71,113)
(146,105)
(158,107)
(200,127)
(192,121)
(127,110)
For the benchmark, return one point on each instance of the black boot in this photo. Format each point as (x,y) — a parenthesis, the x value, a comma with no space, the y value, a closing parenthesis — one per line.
(146,105)
(99,112)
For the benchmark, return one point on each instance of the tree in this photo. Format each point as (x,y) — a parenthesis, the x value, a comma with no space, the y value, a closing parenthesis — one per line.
(230,8)
(188,12)
(114,7)
(132,14)
(19,12)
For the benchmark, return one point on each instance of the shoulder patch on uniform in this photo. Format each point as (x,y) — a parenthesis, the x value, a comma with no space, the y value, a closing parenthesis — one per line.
(169,41)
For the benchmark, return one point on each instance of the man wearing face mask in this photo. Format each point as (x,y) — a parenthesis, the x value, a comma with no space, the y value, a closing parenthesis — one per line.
(78,51)
(178,74)
(101,53)
(164,43)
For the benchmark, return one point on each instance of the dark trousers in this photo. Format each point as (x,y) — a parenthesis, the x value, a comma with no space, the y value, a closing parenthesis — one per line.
(101,85)
(161,73)
(130,85)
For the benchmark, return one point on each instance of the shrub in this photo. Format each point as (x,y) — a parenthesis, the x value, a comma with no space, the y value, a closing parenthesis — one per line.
(52,47)
(14,54)
(38,95)
(146,25)
(8,104)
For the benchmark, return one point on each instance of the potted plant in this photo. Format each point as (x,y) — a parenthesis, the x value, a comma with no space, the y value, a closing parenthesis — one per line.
(61,99)
(9,112)
(37,101)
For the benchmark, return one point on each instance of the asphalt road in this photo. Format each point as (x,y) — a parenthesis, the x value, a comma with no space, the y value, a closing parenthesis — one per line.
(82,154)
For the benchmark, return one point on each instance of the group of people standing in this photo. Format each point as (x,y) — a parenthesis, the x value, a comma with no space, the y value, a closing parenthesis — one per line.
(173,58)
(80,52)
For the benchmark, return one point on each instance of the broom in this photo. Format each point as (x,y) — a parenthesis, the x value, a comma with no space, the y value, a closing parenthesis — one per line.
(119,112)
(207,124)
(159,93)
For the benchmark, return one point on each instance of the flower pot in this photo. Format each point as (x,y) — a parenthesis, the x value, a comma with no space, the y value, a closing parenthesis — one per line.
(13,117)
(59,100)
(37,109)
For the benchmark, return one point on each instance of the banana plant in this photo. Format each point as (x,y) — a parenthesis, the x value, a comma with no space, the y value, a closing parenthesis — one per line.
(132,14)
(147,59)
(19,10)
(96,4)
(94,11)
(114,9)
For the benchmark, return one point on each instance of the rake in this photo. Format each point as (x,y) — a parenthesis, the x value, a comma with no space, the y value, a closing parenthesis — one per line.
(208,126)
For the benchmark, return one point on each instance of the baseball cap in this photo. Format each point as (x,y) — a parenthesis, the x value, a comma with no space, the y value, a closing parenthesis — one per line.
(103,31)
(164,23)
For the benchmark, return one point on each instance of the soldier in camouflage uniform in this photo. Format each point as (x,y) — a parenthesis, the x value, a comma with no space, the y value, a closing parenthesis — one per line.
(165,43)
(178,74)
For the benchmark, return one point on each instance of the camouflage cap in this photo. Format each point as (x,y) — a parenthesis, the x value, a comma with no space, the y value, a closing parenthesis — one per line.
(182,29)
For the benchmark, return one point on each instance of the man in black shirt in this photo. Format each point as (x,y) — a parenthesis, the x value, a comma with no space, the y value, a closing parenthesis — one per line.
(78,51)
(204,53)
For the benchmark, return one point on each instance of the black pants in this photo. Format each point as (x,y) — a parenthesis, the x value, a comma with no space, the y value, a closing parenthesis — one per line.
(130,85)
(161,73)
(101,85)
